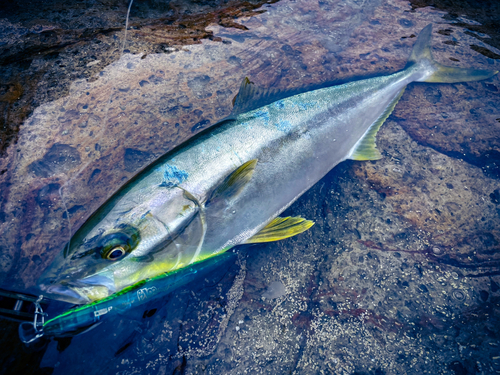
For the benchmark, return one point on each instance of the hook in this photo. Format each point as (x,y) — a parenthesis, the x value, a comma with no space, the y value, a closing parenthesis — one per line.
(29,332)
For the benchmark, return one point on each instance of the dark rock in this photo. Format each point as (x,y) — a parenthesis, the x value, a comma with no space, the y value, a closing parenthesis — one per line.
(432,94)
(423,288)
(94,176)
(484,295)
(458,368)
(135,159)
(60,158)
(495,196)
(199,86)
(47,195)
(200,125)
(494,286)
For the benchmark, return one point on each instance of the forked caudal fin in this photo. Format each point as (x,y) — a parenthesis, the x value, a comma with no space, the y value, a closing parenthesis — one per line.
(432,71)
(421,54)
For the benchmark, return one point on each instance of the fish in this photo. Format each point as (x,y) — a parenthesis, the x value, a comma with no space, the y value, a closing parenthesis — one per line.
(228,185)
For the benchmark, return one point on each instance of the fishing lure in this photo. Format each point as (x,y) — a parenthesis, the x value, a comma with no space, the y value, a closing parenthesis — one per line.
(83,318)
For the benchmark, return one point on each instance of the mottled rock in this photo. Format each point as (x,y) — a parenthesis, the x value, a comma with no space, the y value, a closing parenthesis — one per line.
(60,158)
(134,160)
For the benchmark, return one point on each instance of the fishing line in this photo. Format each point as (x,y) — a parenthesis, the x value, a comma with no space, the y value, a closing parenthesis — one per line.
(103,127)
(126,27)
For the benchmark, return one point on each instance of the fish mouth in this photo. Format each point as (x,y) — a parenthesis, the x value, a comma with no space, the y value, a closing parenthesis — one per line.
(66,294)
(81,291)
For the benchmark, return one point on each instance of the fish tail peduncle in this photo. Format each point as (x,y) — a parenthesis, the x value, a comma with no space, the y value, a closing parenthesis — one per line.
(421,54)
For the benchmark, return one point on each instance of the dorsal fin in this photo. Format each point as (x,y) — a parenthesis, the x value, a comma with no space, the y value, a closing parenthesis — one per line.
(366,147)
(281,228)
(234,183)
(251,97)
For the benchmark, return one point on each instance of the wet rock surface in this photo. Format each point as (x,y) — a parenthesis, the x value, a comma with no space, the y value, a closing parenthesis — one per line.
(400,273)
(480,18)
(41,44)
(481,148)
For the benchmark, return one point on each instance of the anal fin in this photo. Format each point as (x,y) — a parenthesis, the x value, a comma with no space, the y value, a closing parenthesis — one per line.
(366,147)
(281,228)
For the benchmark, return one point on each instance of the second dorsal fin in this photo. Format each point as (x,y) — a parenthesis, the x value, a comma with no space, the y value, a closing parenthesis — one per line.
(281,228)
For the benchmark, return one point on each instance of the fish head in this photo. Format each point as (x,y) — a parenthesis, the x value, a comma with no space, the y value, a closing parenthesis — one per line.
(130,238)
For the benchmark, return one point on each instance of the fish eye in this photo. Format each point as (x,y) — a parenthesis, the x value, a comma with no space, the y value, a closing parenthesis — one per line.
(118,245)
(116,253)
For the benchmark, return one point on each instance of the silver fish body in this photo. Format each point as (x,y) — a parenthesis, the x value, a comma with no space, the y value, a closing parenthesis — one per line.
(187,207)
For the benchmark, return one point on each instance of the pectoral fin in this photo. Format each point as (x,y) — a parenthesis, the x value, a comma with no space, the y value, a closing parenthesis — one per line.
(234,183)
(281,228)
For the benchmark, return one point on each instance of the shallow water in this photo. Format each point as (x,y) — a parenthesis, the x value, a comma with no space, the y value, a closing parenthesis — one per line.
(400,274)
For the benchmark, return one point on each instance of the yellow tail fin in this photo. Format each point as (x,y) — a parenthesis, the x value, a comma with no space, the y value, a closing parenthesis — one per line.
(421,54)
